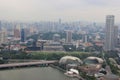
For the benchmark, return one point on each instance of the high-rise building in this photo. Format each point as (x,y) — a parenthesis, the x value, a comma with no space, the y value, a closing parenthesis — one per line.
(22,35)
(3,37)
(85,38)
(16,33)
(69,36)
(116,36)
(110,33)
(0,26)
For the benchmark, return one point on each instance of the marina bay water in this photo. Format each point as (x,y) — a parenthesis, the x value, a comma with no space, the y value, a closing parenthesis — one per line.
(34,73)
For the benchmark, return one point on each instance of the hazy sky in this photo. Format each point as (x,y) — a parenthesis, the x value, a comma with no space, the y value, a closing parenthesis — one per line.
(36,10)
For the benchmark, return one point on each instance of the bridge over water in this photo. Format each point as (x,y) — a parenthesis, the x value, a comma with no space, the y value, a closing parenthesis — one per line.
(23,64)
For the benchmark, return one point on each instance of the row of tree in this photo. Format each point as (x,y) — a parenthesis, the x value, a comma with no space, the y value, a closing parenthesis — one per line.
(43,55)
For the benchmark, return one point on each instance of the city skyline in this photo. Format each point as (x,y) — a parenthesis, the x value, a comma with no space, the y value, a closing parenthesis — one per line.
(67,10)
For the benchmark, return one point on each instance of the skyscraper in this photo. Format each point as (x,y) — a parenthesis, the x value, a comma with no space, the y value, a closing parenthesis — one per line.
(110,33)
(16,33)
(0,26)
(69,37)
(116,36)
(3,37)
(22,35)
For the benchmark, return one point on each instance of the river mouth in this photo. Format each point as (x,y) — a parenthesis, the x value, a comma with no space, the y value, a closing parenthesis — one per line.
(33,73)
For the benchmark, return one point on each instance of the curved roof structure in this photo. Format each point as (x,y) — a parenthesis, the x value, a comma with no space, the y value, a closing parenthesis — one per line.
(56,35)
(70,60)
(93,60)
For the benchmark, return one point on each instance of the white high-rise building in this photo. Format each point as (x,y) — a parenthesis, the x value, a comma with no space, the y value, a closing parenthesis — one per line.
(110,33)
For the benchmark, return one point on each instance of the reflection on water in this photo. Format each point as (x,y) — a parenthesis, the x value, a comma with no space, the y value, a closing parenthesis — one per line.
(38,73)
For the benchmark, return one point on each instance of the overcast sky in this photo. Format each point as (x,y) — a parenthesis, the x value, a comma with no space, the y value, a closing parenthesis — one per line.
(37,10)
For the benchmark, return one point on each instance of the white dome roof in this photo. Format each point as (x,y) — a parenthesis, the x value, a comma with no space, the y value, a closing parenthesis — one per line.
(93,60)
(70,60)
(56,35)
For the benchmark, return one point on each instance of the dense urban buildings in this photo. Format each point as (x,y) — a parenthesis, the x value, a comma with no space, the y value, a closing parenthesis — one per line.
(60,39)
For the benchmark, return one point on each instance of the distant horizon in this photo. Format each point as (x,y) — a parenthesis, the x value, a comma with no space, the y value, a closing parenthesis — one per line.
(57,20)
(45,20)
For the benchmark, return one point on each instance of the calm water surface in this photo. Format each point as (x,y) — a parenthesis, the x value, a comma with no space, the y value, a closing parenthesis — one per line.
(38,73)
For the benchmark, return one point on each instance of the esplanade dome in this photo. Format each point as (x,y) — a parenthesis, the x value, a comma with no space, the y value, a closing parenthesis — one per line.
(93,60)
(70,60)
